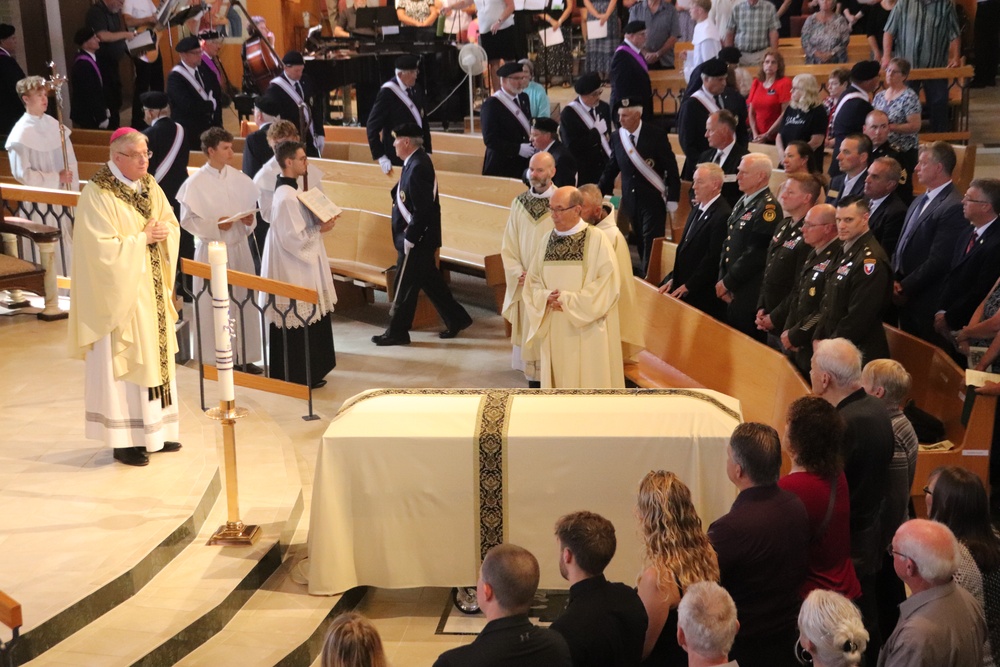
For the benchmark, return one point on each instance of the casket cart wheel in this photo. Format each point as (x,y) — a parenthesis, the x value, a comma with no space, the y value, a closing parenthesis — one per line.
(465,599)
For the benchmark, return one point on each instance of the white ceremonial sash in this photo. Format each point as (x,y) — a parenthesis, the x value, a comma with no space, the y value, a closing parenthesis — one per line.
(206,95)
(175,148)
(637,161)
(856,95)
(405,99)
(283,83)
(706,100)
(405,212)
(515,110)
(588,120)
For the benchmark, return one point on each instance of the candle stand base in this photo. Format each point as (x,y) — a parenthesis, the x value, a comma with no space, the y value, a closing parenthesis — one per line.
(235,534)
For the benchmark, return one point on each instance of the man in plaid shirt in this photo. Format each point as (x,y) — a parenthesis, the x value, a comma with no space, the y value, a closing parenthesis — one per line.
(753,28)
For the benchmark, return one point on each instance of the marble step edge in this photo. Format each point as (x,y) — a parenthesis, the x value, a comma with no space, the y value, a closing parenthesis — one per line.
(306,653)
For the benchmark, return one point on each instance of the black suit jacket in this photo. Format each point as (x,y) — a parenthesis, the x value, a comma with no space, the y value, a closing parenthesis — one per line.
(604,624)
(503,135)
(510,642)
(160,136)
(388,112)
(730,188)
(87,106)
(584,144)
(11,107)
(188,108)
(971,276)
(652,145)
(630,80)
(696,265)
(887,222)
(905,187)
(256,151)
(420,197)
(691,120)
(849,120)
(289,110)
(836,190)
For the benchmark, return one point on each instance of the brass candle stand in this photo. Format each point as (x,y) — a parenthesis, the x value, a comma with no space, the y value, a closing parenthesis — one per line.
(234,533)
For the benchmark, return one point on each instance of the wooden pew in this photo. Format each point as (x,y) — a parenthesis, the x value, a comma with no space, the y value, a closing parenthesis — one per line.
(440,141)
(462,163)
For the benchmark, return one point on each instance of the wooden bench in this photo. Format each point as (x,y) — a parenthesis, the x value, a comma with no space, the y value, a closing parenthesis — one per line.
(440,141)
(11,616)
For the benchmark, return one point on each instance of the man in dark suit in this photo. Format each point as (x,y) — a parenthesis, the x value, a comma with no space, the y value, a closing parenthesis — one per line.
(545,137)
(506,124)
(399,101)
(88,107)
(105,17)
(650,179)
(11,107)
(299,103)
(506,589)
(975,266)
(888,212)
(630,73)
(853,106)
(192,98)
(256,150)
(725,151)
(694,112)
(604,623)
(853,161)
(416,232)
(729,55)
(696,265)
(934,223)
(585,128)
(877,129)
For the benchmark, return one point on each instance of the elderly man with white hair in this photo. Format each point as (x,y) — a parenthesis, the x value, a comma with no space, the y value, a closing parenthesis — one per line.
(940,624)
(868,448)
(744,254)
(707,625)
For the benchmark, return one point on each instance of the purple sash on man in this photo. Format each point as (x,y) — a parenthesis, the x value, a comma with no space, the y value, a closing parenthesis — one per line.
(638,57)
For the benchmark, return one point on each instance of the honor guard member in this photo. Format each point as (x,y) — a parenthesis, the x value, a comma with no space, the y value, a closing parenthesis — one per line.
(399,101)
(877,129)
(545,137)
(299,103)
(585,128)
(256,150)
(88,107)
(630,72)
(10,74)
(853,106)
(650,179)
(416,233)
(744,254)
(725,151)
(192,96)
(800,312)
(506,126)
(694,112)
(858,286)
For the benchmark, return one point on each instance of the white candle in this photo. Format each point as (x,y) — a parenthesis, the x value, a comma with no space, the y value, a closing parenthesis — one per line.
(217,258)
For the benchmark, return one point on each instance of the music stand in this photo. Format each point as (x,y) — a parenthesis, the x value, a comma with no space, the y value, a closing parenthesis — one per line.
(382,20)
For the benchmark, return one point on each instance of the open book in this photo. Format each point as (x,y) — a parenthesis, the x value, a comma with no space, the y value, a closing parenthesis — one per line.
(319,205)
(238,216)
(979,378)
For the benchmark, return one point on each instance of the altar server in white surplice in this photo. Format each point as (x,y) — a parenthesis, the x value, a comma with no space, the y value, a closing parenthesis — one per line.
(571,295)
(277,132)
(36,159)
(216,192)
(529,221)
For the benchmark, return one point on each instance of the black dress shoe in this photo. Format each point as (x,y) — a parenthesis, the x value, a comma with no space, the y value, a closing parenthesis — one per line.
(249,368)
(131,456)
(168,446)
(452,332)
(318,383)
(384,340)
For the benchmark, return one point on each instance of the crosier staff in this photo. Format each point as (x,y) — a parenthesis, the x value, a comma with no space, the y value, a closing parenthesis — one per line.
(54,85)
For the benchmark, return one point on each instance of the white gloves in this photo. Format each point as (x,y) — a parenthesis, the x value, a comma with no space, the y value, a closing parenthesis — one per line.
(601,125)
(319,142)
(407,247)
(104,123)
(672,206)
(385,163)
(526,150)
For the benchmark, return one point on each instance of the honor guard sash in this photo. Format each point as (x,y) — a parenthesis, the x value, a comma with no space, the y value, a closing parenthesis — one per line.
(284,84)
(706,100)
(640,165)
(591,124)
(405,99)
(401,202)
(855,95)
(514,109)
(175,148)
(198,88)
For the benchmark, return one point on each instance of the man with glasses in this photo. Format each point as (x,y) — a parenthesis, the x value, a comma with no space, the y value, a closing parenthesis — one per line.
(877,129)
(192,90)
(585,128)
(941,623)
(399,101)
(122,316)
(888,211)
(506,125)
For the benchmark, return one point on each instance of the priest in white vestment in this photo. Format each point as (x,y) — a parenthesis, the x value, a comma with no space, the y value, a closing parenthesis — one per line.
(602,216)
(267,175)
(529,221)
(36,159)
(122,316)
(209,196)
(571,295)
(294,253)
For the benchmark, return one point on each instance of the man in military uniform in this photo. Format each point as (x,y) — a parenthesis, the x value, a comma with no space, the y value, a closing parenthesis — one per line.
(506,124)
(744,254)
(399,101)
(585,128)
(858,287)
(650,178)
(692,116)
(877,129)
(801,310)
(786,253)
(545,137)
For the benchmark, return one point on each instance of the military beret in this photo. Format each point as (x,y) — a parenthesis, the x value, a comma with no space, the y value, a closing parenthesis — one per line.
(293,58)
(407,130)
(510,68)
(730,54)
(865,70)
(624,103)
(635,26)
(6,30)
(189,43)
(406,62)
(154,99)
(714,67)
(587,83)
(82,35)
(545,124)
(267,105)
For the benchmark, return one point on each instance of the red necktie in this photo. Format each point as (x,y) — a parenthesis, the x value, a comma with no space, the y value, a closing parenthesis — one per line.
(972,242)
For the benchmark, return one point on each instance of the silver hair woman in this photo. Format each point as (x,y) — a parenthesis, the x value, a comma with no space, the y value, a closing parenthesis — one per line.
(831,633)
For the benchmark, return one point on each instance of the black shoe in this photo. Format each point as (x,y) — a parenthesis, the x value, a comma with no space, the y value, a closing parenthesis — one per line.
(452,332)
(385,340)
(168,446)
(249,368)
(979,84)
(318,384)
(131,456)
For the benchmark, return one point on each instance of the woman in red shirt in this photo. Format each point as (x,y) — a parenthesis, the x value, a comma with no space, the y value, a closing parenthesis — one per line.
(769,95)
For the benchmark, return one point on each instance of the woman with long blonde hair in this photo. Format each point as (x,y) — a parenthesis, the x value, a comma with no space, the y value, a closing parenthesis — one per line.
(352,641)
(676,554)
